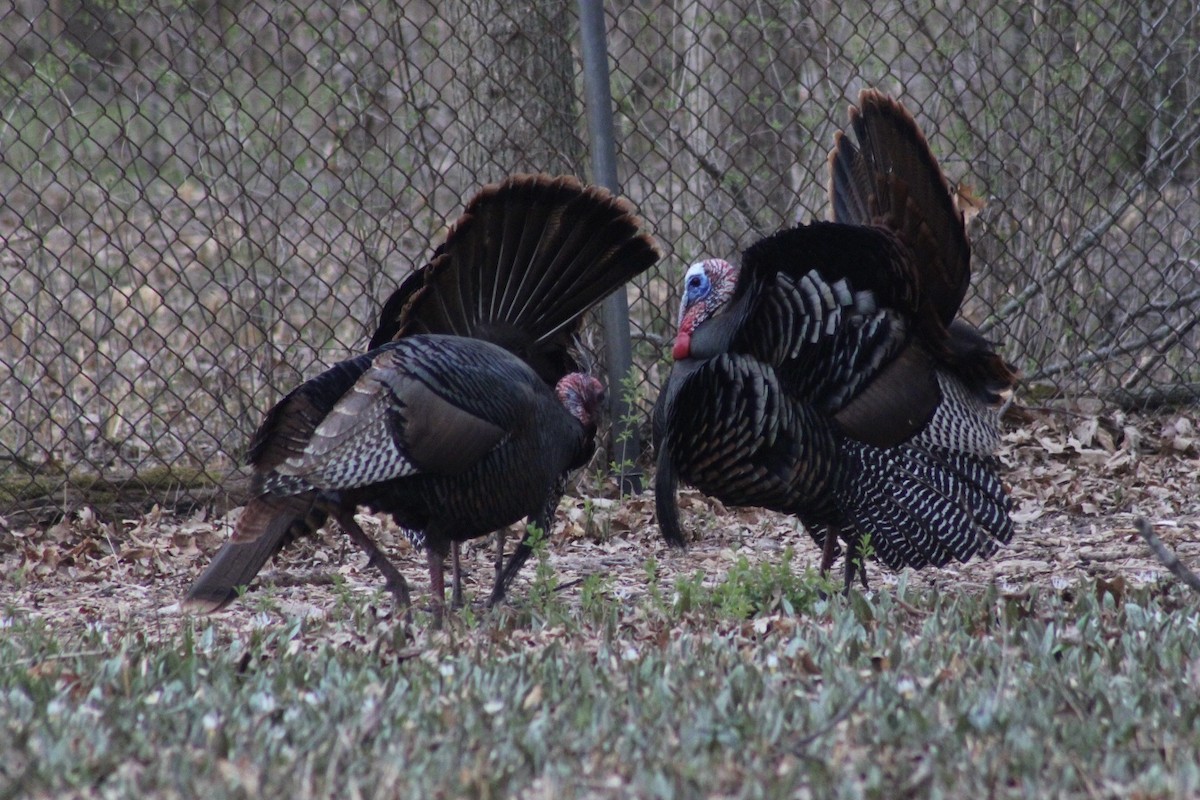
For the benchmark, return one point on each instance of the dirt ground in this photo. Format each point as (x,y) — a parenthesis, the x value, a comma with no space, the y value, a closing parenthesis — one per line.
(1078,482)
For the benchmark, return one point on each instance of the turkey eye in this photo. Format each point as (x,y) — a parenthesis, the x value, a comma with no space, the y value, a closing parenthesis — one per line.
(694,282)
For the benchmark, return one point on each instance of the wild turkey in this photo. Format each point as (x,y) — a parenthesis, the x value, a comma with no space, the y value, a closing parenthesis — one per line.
(454,435)
(828,377)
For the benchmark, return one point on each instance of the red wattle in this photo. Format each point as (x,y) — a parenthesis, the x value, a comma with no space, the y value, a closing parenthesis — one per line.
(683,346)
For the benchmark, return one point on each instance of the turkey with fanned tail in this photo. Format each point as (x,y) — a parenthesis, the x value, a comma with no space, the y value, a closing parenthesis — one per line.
(829,377)
(470,410)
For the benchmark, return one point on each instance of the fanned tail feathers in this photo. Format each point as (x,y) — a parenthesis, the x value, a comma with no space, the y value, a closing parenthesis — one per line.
(528,257)
(266,526)
(892,180)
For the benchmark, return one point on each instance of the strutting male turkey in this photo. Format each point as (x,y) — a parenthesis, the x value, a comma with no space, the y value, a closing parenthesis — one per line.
(829,378)
(469,411)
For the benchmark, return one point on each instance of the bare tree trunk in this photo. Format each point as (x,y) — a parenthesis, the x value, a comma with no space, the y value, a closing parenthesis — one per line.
(515,87)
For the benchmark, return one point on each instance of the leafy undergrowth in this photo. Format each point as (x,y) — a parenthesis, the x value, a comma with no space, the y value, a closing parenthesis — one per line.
(756,683)
(1063,666)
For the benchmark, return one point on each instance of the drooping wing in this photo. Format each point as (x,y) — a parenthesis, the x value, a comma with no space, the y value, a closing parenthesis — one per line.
(290,422)
(428,404)
(267,525)
(831,308)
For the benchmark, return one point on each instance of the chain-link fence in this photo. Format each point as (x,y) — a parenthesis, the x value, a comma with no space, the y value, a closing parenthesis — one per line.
(201,204)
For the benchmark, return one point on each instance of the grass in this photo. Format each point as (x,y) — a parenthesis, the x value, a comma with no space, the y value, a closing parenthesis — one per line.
(751,686)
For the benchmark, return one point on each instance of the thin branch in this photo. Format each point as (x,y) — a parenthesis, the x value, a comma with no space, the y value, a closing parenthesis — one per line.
(1103,354)
(1151,397)
(1146,367)
(1090,238)
(1163,307)
(1167,306)
(1169,559)
(1165,333)
(646,336)
(60,656)
(837,718)
(571,584)
(718,176)
(25,463)
(1181,148)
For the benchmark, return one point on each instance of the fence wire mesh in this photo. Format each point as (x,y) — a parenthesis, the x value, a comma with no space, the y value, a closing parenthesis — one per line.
(202,204)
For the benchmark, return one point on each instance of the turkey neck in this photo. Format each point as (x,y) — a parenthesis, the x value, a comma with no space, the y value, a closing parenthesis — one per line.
(713,337)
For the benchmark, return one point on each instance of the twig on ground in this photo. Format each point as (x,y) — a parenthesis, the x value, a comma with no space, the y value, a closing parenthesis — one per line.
(837,718)
(60,656)
(1169,559)
(568,585)
(283,579)
(1152,397)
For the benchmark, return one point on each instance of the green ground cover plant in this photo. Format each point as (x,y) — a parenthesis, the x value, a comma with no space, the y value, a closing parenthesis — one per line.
(756,683)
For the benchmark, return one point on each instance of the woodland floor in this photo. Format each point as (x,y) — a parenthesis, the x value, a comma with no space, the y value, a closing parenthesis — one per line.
(1078,482)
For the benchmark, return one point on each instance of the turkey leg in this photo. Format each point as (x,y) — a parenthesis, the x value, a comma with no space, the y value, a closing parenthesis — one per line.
(456,595)
(855,563)
(392,578)
(519,556)
(437,585)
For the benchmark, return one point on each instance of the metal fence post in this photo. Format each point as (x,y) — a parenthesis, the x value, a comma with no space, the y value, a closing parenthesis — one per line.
(623,442)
